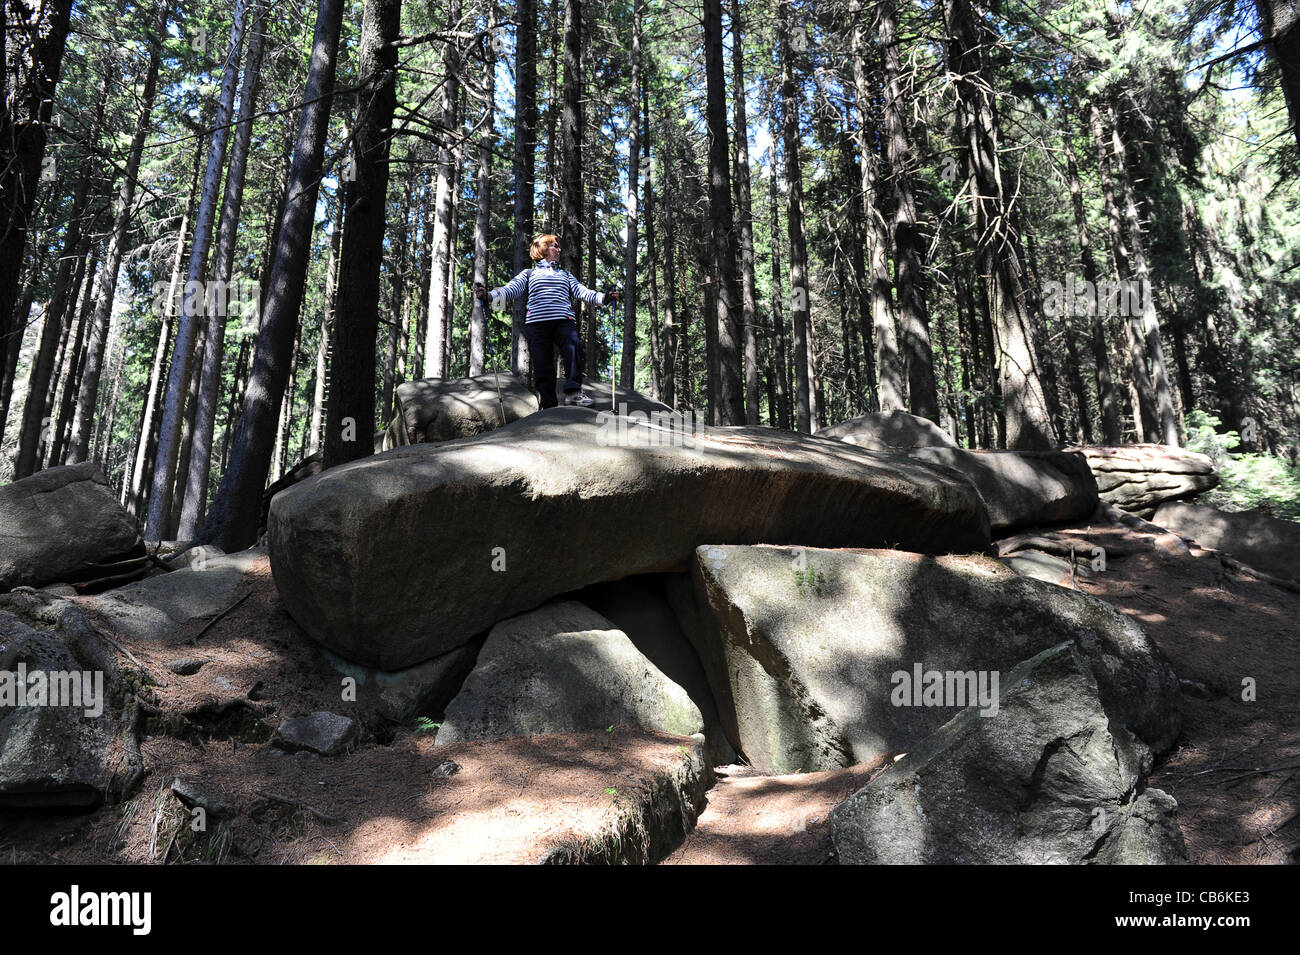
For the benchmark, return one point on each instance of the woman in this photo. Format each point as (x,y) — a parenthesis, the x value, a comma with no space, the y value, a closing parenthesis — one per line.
(549,321)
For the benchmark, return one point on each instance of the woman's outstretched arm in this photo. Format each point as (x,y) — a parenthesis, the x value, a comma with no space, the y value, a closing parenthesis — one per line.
(584,294)
(511,290)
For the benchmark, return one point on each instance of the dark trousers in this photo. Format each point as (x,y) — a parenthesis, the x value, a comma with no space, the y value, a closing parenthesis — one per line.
(543,338)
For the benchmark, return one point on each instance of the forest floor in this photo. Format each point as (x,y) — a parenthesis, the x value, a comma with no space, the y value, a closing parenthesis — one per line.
(1235,770)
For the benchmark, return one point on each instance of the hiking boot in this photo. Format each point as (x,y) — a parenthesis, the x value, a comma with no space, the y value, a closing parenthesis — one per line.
(578,398)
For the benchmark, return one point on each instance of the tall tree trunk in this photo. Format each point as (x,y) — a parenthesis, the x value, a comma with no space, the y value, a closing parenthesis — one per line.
(889,363)
(571,130)
(1144,405)
(191,317)
(745,211)
(436,345)
(1001,263)
(365,200)
(1106,399)
(106,286)
(1278,22)
(634,172)
(671,394)
(731,401)
(1168,424)
(778,317)
(326,329)
(233,518)
(205,415)
(482,223)
(28,102)
(524,168)
(75,364)
(913,317)
(798,242)
(652,254)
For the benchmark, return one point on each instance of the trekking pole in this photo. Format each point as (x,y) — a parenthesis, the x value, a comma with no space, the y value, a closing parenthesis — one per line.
(613,356)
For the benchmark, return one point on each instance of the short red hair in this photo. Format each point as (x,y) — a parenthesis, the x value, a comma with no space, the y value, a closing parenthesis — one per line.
(541,244)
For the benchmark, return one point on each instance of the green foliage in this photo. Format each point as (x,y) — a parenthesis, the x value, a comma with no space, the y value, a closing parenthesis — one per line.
(1249,481)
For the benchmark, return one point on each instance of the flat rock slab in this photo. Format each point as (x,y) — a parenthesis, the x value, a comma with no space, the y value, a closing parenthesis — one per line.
(1265,543)
(1139,477)
(1048,780)
(559,669)
(409,554)
(1024,488)
(802,648)
(890,430)
(149,610)
(325,733)
(56,522)
(444,409)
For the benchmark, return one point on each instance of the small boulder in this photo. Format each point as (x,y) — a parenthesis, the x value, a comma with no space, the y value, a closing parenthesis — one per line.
(327,734)
(444,409)
(564,668)
(888,431)
(58,522)
(400,695)
(1048,780)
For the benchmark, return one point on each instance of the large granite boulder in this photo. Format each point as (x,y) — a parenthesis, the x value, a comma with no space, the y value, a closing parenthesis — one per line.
(564,668)
(61,699)
(1024,488)
(443,409)
(1265,543)
(890,430)
(1139,477)
(1049,779)
(406,555)
(804,648)
(55,524)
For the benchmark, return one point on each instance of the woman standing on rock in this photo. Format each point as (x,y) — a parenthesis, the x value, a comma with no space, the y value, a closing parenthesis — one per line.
(550,321)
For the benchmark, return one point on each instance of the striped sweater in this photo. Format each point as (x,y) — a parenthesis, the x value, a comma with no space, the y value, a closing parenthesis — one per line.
(551,292)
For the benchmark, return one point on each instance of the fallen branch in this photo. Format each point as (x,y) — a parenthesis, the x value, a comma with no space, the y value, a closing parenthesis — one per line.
(299,804)
(213,622)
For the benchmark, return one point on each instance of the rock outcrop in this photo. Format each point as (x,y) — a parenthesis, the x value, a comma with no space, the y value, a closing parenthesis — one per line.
(804,648)
(57,523)
(1139,477)
(1265,543)
(888,431)
(1023,488)
(61,700)
(1048,780)
(407,555)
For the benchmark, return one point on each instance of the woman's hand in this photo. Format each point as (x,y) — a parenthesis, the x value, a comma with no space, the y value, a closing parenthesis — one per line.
(480,292)
(612,296)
